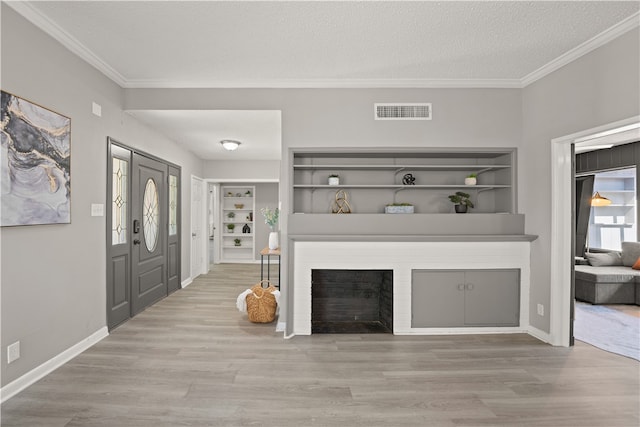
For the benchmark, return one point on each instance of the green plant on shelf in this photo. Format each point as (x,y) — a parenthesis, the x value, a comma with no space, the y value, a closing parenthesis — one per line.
(237,242)
(230,227)
(231,215)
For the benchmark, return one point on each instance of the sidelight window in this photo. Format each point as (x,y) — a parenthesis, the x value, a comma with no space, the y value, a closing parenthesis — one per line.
(119,201)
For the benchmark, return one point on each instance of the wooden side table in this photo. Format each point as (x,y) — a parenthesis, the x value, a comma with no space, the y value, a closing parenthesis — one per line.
(269,253)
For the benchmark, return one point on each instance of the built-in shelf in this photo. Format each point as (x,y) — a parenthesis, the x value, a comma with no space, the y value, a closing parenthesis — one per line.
(235,195)
(372,179)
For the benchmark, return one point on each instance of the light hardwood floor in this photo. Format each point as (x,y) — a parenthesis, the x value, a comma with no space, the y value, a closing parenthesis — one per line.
(194,360)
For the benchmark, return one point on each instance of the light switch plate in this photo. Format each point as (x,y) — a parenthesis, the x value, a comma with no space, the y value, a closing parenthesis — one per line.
(97,209)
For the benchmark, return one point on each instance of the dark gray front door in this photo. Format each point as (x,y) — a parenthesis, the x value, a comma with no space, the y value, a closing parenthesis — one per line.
(150,225)
(143,232)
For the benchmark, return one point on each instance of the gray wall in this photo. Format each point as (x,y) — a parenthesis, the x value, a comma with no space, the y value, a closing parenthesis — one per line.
(53,277)
(222,170)
(344,118)
(598,88)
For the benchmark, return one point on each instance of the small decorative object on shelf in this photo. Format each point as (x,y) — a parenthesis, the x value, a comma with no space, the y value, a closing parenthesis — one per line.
(271,219)
(231,215)
(409,179)
(250,216)
(237,242)
(248,193)
(229,194)
(246,229)
(239,205)
(334,179)
(398,208)
(461,201)
(341,204)
(471,179)
(231,227)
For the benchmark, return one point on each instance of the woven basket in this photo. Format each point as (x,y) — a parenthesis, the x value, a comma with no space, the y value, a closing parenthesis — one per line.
(261,303)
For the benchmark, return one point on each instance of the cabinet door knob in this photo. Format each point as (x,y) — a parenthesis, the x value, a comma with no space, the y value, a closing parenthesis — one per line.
(469,286)
(461,286)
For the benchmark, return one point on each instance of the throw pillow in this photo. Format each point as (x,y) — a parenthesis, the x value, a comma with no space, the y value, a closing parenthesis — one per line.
(604,259)
(636,266)
(630,253)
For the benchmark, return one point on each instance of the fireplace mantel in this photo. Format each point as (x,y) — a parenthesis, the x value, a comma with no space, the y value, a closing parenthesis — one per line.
(402,254)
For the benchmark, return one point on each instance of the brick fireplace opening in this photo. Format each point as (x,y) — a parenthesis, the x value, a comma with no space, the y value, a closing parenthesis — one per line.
(351,301)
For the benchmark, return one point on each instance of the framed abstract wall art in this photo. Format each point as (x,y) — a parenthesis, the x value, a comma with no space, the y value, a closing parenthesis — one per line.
(35,156)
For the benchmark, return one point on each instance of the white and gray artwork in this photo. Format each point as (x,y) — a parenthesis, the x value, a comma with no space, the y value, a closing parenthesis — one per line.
(35,164)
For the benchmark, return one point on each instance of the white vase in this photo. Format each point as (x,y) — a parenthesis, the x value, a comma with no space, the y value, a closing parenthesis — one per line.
(273,240)
(470,181)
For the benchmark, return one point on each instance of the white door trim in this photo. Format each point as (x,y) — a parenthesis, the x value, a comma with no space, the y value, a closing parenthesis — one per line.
(198,243)
(562,227)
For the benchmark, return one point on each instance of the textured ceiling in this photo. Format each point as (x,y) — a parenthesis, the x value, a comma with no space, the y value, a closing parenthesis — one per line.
(201,131)
(318,44)
(208,43)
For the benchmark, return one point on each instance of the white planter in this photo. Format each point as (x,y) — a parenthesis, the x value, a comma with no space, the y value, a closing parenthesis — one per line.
(273,240)
(470,181)
(334,180)
(398,209)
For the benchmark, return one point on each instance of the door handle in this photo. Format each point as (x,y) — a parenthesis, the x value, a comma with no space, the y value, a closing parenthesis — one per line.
(193,234)
(136,226)
(136,241)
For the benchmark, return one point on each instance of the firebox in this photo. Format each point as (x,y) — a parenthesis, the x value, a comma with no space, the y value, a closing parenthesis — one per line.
(351,301)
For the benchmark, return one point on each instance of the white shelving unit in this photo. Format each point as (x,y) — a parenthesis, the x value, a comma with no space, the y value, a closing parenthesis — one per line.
(238,223)
(614,223)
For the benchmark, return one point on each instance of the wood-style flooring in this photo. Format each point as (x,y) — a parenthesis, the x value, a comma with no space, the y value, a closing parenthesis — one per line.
(194,360)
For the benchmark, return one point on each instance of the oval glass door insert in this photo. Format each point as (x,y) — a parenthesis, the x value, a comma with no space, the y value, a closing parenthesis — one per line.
(150,215)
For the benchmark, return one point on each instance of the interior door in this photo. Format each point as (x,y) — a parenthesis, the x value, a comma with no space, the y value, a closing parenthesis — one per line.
(149,232)
(197,232)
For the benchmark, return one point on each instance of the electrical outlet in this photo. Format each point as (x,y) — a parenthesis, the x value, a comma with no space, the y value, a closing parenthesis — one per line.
(540,310)
(13,352)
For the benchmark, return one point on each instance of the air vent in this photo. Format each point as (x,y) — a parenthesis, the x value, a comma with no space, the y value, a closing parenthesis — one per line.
(419,111)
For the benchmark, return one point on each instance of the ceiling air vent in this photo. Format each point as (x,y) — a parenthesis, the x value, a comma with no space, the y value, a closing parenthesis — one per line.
(420,111)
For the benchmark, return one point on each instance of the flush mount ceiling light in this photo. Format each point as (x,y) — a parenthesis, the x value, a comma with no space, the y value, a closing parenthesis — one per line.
(229,144)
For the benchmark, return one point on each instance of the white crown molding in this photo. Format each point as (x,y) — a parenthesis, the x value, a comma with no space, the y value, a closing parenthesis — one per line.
(54,30)
(325,84)
(44,23)
(595,42)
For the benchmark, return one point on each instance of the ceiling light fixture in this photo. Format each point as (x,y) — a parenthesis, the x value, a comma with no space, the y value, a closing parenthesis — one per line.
(598,200)
(229,144)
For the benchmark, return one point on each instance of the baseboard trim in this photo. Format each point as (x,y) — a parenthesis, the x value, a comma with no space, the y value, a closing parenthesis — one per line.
(541,335)
(186,282)
(16,386)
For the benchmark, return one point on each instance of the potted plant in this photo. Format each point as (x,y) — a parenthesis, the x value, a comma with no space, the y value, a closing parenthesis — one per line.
(471,179)
(398,208)
(237,242)
(461,201)
(248,193)
(230,227)
(271,219)
(231,215)
(334,179)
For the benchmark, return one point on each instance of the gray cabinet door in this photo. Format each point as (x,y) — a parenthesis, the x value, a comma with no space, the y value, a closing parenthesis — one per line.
(492,298)
(455,298)
(437,299)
